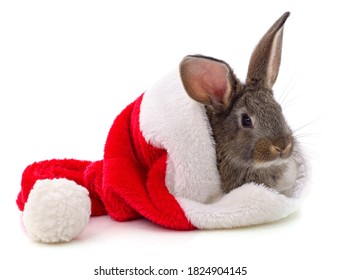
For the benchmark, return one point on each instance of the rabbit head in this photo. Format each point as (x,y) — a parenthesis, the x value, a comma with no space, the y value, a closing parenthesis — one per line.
(253,141)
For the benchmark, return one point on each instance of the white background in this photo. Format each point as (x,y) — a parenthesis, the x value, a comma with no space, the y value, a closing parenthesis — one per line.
(67,68)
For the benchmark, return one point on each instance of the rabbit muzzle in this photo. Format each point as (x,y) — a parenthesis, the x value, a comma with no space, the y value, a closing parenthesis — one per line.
(273,150)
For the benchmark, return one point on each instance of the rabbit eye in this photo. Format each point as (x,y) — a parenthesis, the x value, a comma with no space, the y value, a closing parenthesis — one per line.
(246,121)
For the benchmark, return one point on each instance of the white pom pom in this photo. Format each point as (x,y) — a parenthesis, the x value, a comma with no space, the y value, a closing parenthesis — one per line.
(56,210)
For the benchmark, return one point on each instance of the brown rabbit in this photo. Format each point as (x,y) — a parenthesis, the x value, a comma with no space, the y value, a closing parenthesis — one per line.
(253,140)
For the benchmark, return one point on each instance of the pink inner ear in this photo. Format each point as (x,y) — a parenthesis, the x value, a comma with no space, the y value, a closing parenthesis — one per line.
(205,79)
(214,81)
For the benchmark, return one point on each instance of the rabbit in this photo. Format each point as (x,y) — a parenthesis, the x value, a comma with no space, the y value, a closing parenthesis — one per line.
(253,140)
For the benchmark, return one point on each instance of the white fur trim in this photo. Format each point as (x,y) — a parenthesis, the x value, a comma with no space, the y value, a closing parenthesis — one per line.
(247,205)
(170,119)
(56,210)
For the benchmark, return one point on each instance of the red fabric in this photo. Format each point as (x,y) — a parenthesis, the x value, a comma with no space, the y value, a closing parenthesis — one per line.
(128,184)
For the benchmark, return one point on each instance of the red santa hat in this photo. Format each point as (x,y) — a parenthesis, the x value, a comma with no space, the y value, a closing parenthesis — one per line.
(159,163)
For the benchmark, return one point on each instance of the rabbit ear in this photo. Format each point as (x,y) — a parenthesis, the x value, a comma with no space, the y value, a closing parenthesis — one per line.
(266,58)
(208,80)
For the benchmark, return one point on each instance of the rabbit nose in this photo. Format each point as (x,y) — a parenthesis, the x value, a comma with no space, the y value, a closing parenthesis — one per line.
(282,152)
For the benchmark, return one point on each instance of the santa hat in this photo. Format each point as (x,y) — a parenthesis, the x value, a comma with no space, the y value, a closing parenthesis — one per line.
(159,163)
